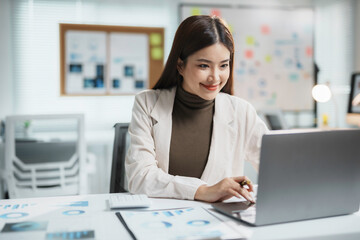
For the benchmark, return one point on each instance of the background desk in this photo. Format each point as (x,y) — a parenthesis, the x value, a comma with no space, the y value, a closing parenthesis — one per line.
(91,212)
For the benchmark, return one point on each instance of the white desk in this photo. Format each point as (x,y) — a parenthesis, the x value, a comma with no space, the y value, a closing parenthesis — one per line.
(91,212)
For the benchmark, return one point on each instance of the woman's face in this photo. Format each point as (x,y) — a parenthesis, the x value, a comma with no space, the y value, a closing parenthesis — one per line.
(206,71)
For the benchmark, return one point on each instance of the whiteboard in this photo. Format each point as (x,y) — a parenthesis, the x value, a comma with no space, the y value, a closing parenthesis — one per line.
(273,65)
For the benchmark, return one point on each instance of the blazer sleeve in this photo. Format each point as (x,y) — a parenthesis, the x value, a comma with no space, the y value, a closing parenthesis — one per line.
(256,128)
(141,164)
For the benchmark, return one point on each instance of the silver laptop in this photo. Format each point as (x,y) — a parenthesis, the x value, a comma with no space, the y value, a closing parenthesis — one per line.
(303,176)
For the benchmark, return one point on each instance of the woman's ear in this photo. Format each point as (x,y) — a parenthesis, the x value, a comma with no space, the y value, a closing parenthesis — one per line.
(180,66)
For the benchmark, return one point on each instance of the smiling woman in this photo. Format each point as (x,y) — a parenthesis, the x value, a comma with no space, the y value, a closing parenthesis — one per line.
(189,136)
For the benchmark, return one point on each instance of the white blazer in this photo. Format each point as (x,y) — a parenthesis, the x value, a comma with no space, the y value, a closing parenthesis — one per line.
(236,136)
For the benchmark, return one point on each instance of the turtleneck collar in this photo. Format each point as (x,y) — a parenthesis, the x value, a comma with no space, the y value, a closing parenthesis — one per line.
(191,100)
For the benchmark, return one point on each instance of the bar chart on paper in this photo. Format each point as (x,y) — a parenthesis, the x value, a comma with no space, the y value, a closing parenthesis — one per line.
(183,223)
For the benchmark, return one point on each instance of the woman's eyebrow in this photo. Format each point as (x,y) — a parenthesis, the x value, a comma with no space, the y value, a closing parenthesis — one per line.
(208,61)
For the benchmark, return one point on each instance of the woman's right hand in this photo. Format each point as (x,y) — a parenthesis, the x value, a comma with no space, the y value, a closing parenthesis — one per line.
(225,189)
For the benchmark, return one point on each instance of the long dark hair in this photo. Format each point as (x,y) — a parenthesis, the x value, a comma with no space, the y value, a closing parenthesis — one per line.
(194,34)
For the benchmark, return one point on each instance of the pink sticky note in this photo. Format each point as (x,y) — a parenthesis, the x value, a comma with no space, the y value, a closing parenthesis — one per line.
(216,12)
(249,54)
(309,51)
(265,29)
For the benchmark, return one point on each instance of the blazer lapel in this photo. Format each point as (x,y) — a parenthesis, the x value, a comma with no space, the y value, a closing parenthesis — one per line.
(162,114)
(222,140)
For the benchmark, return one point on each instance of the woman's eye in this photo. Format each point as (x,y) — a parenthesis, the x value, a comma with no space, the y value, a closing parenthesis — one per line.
(203,66)
(224,65)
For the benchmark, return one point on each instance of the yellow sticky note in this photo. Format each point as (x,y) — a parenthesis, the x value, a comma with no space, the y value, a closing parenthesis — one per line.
(250,40)
(156,53)
(195,11)
(155,39)
(268,58)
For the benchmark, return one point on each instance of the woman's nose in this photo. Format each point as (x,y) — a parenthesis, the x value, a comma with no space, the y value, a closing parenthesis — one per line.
(215,75)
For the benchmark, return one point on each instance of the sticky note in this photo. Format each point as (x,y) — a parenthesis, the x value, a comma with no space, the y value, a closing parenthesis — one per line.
(250,40)
(216,12)
(278,53)
(155,39)
(262,82)
(265,29)
(268,58)
(309,51)
(156,53)
(249,54)
(195,11)
(293,77)
(306,75)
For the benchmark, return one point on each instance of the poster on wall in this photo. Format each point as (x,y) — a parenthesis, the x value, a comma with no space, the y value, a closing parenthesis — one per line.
(129,66)
(274,64)
(85,62)
(98,60)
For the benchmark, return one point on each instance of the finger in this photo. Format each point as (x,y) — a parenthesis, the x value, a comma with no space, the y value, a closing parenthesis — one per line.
(244,181)
(239,178)
(251,186)
(234,193)
(244,192)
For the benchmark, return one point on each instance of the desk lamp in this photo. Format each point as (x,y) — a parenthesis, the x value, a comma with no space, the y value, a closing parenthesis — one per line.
(322,93)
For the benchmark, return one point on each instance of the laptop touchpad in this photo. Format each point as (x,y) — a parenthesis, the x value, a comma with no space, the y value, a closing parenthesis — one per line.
(240,210)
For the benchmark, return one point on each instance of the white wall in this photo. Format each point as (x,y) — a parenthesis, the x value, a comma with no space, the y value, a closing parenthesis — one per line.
(6,83)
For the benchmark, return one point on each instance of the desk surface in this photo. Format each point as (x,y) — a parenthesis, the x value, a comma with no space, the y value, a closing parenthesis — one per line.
(91,213)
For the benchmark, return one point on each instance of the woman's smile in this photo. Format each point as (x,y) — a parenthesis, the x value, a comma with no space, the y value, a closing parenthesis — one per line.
(210,87)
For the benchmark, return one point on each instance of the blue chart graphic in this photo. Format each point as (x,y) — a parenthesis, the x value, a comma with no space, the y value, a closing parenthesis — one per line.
(13,215)
(25,226)
(198,223)
(76,204)
(73,212)
(172,213)
(157,225)
(71,235)
(168,214)
(16,206)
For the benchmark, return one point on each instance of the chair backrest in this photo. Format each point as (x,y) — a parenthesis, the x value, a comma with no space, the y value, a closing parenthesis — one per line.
(273,118)
(118,182)
(52,167)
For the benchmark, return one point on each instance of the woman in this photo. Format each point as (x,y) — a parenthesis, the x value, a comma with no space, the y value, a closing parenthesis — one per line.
(189,136)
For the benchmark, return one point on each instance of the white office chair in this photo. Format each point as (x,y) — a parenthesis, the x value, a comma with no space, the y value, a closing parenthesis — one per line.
(36,168)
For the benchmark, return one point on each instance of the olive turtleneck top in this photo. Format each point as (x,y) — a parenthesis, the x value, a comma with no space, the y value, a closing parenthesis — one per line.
(192,120)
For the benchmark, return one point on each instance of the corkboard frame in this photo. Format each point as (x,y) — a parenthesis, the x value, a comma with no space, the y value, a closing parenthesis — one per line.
(155,65)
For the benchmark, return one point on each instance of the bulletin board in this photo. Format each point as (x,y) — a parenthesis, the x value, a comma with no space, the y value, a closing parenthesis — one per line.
(109,60)
(273,66)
